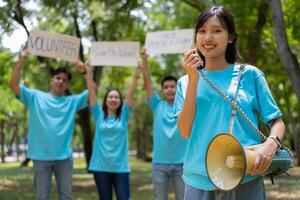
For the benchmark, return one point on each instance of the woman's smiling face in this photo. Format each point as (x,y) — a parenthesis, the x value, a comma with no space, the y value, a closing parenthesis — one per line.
(212,39)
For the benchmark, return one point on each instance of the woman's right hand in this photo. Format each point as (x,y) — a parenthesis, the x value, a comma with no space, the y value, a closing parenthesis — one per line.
(191,61)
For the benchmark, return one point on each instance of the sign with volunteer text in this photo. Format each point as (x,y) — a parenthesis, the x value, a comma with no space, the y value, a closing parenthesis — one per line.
(53,45)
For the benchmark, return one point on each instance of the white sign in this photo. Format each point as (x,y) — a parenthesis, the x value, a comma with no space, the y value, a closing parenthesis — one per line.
(177,41)
(115,53)
(53,45)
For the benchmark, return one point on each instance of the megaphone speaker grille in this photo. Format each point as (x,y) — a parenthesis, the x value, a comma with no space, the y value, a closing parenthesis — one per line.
(225,162)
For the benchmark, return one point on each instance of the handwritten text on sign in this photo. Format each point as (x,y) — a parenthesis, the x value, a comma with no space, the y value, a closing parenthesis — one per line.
(177,41)
(115,53)
(53,45)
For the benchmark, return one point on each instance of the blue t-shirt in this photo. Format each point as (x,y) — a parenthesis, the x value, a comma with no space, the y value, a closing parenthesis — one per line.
(51,122)
(168,144)
(110,147)
(212,116)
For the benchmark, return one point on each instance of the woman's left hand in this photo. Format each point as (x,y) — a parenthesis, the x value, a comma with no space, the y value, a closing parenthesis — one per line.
(140,67)
(264,155)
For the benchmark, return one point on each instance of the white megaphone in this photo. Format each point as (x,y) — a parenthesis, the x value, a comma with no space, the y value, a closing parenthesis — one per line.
(227,161)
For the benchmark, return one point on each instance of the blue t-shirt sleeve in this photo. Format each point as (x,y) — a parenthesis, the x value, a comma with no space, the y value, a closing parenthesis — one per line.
(153,101)
(267,106)
(26,95)
(126,111)
(97,111)
(81,100)
(179,99)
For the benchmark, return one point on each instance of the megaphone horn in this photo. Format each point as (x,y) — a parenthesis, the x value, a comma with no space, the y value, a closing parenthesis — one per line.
(227,161)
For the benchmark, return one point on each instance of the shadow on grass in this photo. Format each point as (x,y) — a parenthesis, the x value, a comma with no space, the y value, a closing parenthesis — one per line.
(17,183)
(285,187)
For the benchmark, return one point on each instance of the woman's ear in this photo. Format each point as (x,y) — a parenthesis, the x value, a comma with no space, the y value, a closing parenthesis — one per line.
(232,37)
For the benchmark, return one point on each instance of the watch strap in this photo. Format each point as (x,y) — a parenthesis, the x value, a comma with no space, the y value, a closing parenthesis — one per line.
(276,139)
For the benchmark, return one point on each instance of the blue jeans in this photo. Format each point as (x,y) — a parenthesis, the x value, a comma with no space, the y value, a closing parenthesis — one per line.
(253,190)
(161,175)
(105,181)
(62,170)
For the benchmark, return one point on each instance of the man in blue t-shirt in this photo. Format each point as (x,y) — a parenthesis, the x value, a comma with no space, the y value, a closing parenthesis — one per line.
(51,126)
(168,144)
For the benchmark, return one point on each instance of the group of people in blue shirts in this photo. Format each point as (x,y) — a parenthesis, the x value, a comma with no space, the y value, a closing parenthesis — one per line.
(188,116)
(51,126)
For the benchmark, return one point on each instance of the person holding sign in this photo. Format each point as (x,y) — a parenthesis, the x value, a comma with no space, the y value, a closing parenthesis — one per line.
(168,145)
(109,161)
(204,113)
(51,126)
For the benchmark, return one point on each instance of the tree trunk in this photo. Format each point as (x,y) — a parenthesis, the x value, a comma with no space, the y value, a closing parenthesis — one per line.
(294,139)
(18,14)
(26,161)
(141,137)
(84,122)
(2,141)
(288,59)
(17,139)
(143,119)
(84,115)
(97,70)
(254,41)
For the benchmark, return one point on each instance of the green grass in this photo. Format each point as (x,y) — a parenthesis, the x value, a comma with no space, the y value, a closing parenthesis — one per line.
(17,183)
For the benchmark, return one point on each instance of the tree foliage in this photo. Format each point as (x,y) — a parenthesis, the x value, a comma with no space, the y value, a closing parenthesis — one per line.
(127,20)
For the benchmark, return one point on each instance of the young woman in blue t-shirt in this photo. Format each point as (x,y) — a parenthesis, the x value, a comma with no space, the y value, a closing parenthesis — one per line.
(109,161)
(203,113)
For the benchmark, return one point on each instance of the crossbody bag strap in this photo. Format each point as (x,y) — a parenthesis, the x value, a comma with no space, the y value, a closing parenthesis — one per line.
(233,111)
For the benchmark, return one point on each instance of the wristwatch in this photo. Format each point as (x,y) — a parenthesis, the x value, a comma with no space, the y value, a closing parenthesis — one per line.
(276,139)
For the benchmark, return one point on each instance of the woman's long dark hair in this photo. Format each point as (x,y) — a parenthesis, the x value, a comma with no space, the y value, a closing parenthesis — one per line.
(227,21)
(104,106)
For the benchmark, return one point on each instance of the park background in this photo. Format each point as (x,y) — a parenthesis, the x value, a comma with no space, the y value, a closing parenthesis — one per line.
(269,38)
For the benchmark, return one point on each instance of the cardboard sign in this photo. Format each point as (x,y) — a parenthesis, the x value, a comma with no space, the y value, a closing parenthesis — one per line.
(115,54)
(53,45)
(168,42)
